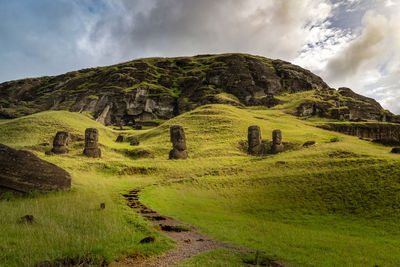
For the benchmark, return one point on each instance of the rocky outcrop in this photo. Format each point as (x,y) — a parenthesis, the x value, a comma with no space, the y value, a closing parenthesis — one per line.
(345,105)
(22,172)
(384,133)
(158,88)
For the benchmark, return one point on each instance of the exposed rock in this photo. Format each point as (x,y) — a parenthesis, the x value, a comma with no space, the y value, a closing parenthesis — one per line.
(396,150)
(254,140)
(178,140)
(344,104)
(60,143)
(309,143)
(29,219)
(385,133)
(91,143)
(149,239)
(103,118)
(277,145)
(23,172)
(158,88)
(120,139)
(135,142)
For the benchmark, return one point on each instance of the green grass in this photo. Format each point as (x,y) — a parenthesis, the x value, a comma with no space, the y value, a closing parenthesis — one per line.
(334,204)
(217,258)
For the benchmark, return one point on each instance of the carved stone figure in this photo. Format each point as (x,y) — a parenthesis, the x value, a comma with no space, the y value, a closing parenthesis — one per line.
(178,140)
(254,139)
(60,143)
(23,172)
(91,143)
(277,145)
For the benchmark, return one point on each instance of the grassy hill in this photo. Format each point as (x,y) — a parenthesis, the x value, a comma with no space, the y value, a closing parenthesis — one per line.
(334,204)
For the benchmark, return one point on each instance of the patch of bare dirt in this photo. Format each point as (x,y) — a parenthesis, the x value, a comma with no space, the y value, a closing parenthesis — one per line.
(190,242)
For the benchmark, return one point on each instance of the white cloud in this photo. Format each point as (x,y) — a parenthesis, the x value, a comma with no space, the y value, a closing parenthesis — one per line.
(277,28)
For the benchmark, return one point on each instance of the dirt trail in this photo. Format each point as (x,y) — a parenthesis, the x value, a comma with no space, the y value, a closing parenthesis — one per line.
(190,242)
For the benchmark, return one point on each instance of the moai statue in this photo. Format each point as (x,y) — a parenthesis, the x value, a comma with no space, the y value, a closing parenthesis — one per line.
(277,145)
(91,143)
(60,143)
(254,139)
(178,140)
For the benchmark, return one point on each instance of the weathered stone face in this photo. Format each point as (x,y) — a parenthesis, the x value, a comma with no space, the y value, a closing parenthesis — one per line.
(177,136)
(91,143)
(277,145)
(91,138)
(254,140)
(178,139)
(22,172)
(277,137)
(60,143)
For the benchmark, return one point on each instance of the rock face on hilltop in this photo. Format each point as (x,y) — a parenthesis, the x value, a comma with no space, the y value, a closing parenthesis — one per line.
(22,172)
(344,104)
(158,88)
(384,133)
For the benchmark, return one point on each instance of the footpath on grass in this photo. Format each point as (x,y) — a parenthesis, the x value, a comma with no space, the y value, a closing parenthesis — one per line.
(189,241)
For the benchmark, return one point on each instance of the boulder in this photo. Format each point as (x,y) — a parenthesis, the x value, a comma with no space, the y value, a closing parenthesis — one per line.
(135,142)
(120,139)
(396,150)
(309,143)
(22,172)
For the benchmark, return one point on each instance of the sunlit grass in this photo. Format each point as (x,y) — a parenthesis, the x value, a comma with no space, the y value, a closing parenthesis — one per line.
(334,204)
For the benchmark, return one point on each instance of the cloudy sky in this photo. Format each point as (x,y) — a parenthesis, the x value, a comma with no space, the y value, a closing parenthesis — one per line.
(353,43)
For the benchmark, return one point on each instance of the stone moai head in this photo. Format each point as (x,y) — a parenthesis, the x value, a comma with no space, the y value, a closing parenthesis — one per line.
(91,138)
(61,139)
(178,138)
(254,136)
(277,137)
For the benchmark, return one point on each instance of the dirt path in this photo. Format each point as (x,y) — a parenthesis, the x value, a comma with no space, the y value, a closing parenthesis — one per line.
(190,242)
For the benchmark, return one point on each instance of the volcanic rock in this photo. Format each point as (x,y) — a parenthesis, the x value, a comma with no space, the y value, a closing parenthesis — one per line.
(23,172)
(385,133)
(396,150)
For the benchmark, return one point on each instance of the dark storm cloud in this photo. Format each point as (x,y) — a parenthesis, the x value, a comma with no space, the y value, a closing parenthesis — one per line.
(174,27)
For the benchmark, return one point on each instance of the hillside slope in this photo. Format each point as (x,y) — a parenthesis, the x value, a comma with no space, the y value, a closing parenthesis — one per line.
(161,88)
(333,204)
